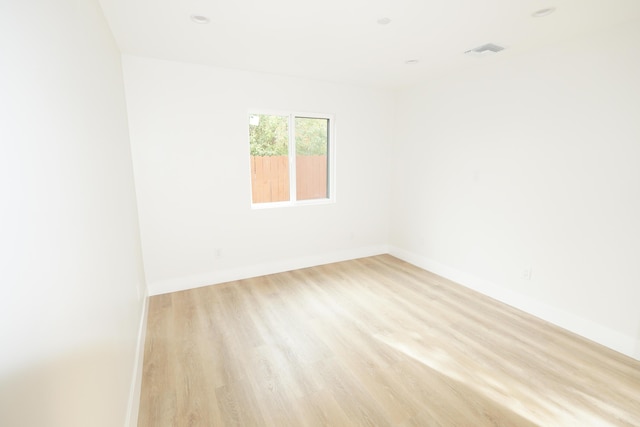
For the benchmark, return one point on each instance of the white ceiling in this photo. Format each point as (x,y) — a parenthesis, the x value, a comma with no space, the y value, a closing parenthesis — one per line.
(340,40)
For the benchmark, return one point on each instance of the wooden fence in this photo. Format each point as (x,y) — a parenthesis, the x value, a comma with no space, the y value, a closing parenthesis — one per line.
(270,178)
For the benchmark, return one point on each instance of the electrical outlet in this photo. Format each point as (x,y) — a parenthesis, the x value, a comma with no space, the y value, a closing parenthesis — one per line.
(218,253)
(526,274)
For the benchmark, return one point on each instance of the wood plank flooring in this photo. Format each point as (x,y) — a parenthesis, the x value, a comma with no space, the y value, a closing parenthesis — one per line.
(371,342)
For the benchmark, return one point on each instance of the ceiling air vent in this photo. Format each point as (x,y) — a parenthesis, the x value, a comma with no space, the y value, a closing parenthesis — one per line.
(485,49)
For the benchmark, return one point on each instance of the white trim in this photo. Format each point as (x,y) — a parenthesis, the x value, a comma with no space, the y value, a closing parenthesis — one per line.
(292,204)
(136,380)
(615,340)
(222,276)
(293,161)
(331,158)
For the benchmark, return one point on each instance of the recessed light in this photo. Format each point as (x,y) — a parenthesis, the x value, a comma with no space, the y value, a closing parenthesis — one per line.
(384,21)
(543,12)
(411,61)
(200,19)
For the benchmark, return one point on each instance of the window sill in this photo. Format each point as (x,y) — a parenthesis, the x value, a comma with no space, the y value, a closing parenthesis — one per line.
(272,205)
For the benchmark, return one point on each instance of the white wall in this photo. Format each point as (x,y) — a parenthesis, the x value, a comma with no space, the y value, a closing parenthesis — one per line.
(531,161)
(70,263)
(189,133)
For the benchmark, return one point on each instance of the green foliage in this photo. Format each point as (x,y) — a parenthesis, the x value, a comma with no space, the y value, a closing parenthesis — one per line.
(311,136)
(269,135)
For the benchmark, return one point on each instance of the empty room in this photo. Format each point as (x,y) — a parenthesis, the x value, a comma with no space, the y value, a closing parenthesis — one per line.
(338,213)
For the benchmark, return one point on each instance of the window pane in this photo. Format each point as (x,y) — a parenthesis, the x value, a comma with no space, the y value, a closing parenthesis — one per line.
(269,143)
(312,141)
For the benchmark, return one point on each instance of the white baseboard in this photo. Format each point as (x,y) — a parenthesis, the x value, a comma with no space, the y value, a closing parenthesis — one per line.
(136,379)
(615,340)
(222,276)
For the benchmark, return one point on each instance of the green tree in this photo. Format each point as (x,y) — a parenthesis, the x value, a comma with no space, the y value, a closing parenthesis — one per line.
(269,135)
(311,136)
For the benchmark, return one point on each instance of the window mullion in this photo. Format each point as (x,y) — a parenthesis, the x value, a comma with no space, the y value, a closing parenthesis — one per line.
(292,158)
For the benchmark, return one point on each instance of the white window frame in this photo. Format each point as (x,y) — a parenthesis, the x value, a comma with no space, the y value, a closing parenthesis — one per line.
(331,159)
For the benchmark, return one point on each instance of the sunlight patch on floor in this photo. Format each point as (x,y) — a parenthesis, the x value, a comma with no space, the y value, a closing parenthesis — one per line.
(550,411)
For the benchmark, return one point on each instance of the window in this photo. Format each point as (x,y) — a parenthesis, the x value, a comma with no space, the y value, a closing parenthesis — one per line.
(291,159)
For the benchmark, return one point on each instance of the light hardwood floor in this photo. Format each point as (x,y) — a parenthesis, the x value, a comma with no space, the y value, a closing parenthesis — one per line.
(371,342)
